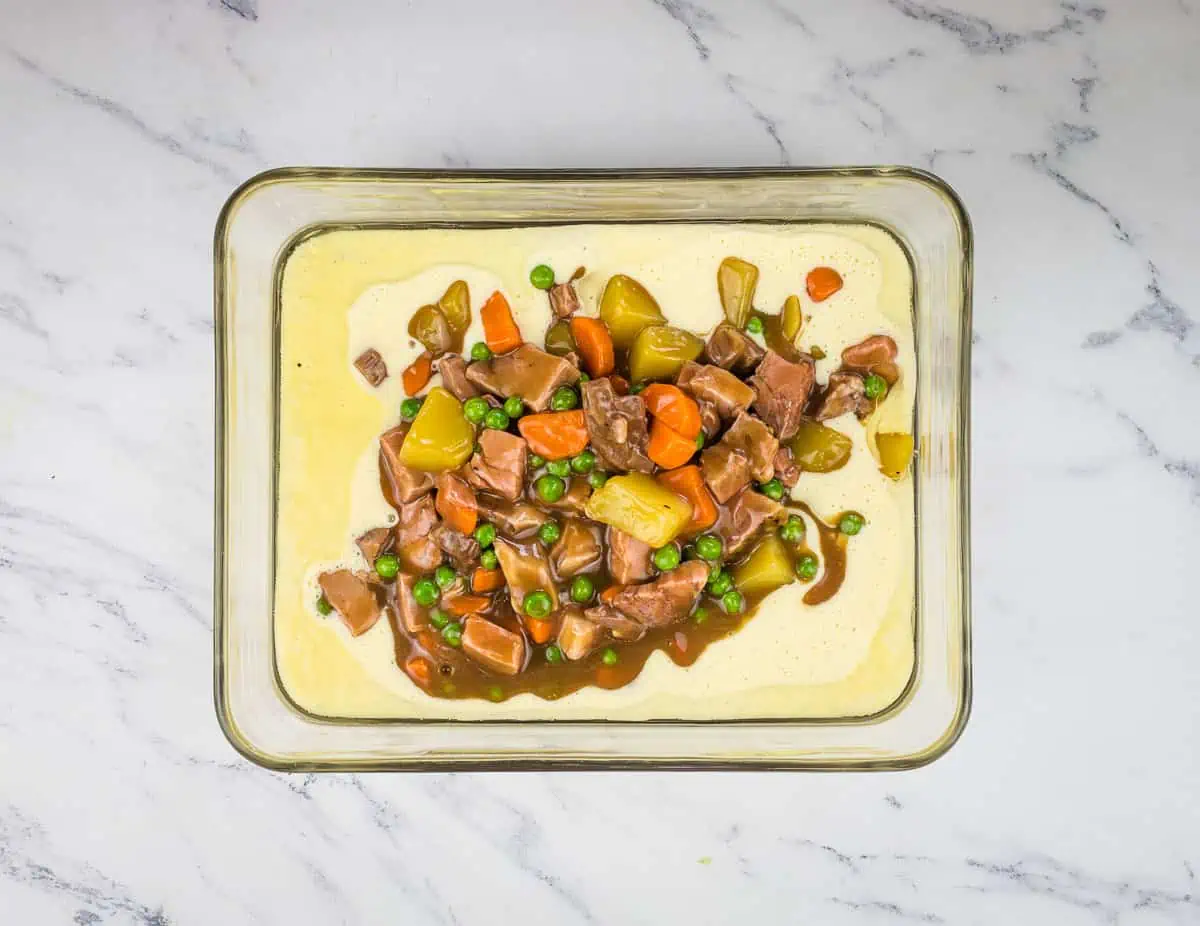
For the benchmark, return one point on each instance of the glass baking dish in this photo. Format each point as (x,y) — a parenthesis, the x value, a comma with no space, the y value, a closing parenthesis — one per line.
(265,218)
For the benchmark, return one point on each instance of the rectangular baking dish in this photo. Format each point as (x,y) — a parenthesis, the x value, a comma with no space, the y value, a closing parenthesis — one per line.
(264,219)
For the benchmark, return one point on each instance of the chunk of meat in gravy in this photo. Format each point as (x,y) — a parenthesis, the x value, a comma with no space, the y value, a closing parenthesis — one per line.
(492,646)
(517,521)
(877,354)
(575,499)
(577,636)
(786,470)
(707,383)
(370,364)
(746,517)
(781,391)
(577,550)
(747,451)
(454,377)
(667,599)
(527,371)
(628,558)
(526,569)
(374,542)
(406,484)
(725,470)
(710,418)
(732,349)
(616,427)
(418,550)
(461,548)
(617,624)
(353,597)
(846,392)
(411,615)
(500,463)
(564,301)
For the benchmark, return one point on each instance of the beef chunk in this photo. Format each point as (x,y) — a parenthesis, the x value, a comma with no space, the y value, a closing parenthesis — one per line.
(725,470)
(616,623)
(526,569)
(732,349)
(747,451)
(786,470)
(500,464)
(575,499)
(577,550)
(453,495)
(454,377)
(354,598)
(564,301)
(846,392)
(628,558)
(616,427)
(406,483)
(500,650)
(370,364)
(462,549)
(577,636)
(710,418)
(527,371)
(781,390)
(513,520)
(748,514)
(412,616)
(374,542)
(667,599)
(415,543)
(877,354)
(720,387)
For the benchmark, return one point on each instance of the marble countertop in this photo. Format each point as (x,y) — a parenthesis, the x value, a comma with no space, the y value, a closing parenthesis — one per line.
(1071,131)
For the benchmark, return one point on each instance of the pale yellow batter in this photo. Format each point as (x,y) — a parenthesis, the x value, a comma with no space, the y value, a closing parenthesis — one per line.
(344,291)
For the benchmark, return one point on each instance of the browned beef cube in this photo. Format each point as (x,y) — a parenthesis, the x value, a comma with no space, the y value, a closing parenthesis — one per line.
(370,364)
(354,598)
(407,484)
(499,466)
(500,650)
(616,427)
(528,371)
(781,391)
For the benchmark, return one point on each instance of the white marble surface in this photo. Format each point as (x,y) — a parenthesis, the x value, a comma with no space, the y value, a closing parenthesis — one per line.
(1072,131)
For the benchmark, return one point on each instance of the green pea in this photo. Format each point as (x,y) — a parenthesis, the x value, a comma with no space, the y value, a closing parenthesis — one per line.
(387,566)
(772,489)
(485,534)
(550,488)
(514,406)
(754,325)
(480,351)
(541,276)
(875,386)
(409,408)
(426,592)
(438,618)
(636,388)
(700,616)
(495,418)
(549,532)
(666,558)
(444,576)
(564,399)
(792,530)
(560,468)
(582,589)
(452,634)
(538,604)
(474,409)
(700,441)
(488,559)
(554,654)
(584,462)
(495,693)
(720,582)
(597,478)
(324,608)
(733,602)
(806,567)
(609,656)
(709,546)
(851,523)
(583,377)
(536,462)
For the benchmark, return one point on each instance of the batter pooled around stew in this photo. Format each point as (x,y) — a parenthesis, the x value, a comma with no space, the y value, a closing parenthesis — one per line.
(571,490)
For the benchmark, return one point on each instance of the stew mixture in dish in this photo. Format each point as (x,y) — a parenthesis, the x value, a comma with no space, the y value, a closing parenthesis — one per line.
(569,497)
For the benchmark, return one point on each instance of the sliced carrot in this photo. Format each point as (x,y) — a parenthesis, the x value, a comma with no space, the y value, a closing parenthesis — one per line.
(673,407)
(499,329)
(688,482)
(456,502)
(486,580)
(595,345)
(610,593)
(667,447)
(555,435)
(541,631)
(419,670)
(822,282)
(459,605)
(416,376)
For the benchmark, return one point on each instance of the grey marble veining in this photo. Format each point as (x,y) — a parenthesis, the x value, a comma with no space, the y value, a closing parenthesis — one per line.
(1071,130)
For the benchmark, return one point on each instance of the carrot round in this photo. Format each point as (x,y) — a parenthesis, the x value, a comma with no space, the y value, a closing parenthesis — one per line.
(499,330)
(688,482)
(416,375)
(555,435)
(673,407)
(541,631)
(822,282)
(667,447)
(595,345)
(486,580)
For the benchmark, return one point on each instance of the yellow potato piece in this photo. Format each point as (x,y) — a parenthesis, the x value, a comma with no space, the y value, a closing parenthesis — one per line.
(767,568)
(895,453)
(626,308)
(736,281)
(638,505)
(659,353)
(440,437)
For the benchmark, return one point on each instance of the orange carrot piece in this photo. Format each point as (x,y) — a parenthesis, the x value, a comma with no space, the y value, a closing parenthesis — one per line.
(555,435)
(610,593)
(688,482)
(595,345)
(486,580)
(667,447)
(419,670)
(822,282)
(541,631)
(673,407)
(499,329)
(458,605)
(417,375)
(456,502)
